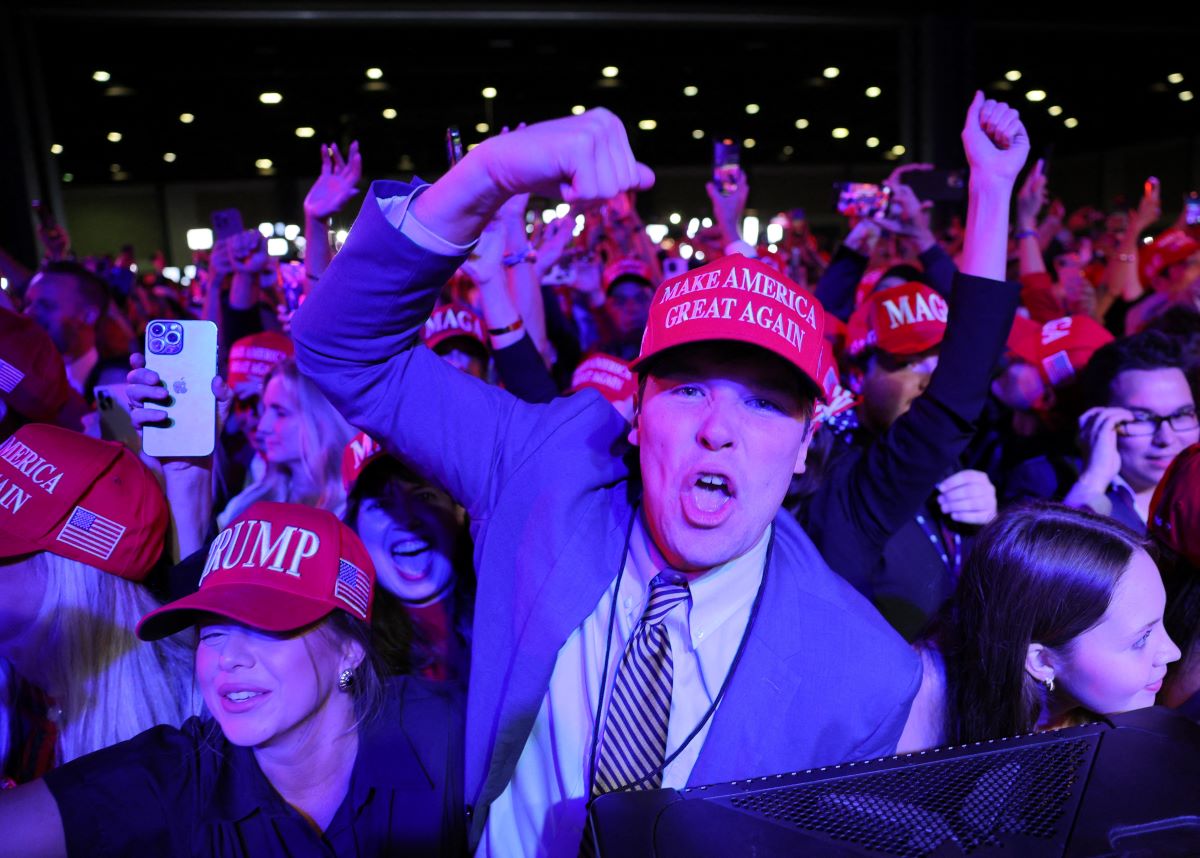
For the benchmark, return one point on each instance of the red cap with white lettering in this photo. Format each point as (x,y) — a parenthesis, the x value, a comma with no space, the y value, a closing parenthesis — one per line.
(80,498)
(452,320)
(360,452)
(627,269)
(609,375)
(904,320)
(1059,348)
(277,567)
(252,357)
(738,299)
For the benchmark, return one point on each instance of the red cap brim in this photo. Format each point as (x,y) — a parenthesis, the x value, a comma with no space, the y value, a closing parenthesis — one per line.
(265,608)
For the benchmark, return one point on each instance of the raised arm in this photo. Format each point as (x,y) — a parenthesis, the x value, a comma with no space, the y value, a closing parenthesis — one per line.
(337,185)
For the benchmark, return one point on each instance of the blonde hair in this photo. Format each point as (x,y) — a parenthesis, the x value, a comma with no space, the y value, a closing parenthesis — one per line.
(108,685)
(324,434)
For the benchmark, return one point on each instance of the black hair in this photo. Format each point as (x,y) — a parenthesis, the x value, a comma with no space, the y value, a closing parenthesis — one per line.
(908,273)
(1147,350)
(92,289)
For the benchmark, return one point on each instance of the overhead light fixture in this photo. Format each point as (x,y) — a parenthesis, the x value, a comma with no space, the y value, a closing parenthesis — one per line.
(841,133)
(872,142)
(277,247)
(114,137)
(610,71)
(305,131)
(374,73)
(56,149)
(831,72)
(749,143)
(101,76)
(187,118)
(873,92)
(689,91)
(389,113)
(898,150)
(675,217)
(1012,76)
(647,124)
(264,164)
(801,124)
(199,239)
(698,134)
(1054,110)
(169,157)
(752,109)
(482,127)
(1175,77)
(1186,95)
(488,92)
(1036,95)
(578,109)
(1071,122)
(270,97)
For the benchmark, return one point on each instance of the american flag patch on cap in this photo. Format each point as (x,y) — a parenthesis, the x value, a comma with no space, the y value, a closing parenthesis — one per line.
(353,587)
(10,376)
(91,532)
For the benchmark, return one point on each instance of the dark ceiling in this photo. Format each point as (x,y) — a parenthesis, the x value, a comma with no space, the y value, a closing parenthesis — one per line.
(213,62)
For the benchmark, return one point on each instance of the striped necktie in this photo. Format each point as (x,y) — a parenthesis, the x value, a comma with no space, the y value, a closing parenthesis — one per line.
(635,733)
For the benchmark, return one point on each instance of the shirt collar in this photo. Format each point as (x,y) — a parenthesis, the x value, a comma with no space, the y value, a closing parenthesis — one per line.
(715,595)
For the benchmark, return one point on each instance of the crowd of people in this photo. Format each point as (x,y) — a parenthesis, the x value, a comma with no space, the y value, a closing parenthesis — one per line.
(509,515)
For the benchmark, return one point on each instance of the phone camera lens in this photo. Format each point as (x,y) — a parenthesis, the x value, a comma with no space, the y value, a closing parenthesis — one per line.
(156,345)
(173,337)
(156,330)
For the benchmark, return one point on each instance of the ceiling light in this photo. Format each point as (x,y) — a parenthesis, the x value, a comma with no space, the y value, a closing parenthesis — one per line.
(1013,75)
(374,73)
(199,239)
(675,217)
(1054,110)
(270,97)
(1186,95)
(68,177)
(101,76)
(610,71)
(56,149)
(169,157)
(690,91)
(1175,78)
(801,124)
(872,142)
(1070,122)
(841,133)
(277,247)
(898,150)
(698,134)
(482,127)
(264,164)
(749,143)
(647,124)
(114,137)
(1036,95)
(832,72)
(578,109)
(488,92)
(305,131)
(752,109)
(187,118)
(389,113)
(873,92)
(266,230)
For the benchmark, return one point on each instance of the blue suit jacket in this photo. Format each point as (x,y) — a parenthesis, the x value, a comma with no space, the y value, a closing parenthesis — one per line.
(823,679)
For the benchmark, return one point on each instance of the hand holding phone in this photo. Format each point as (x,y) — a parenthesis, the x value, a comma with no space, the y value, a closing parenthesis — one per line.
(182,354)
(727,159)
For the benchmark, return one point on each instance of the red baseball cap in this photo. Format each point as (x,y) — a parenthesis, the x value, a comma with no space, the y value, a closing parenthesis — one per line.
(277,567)
(33,380)
(81,498)
(1059,348)
(627,269)
(252,358)
(1175,507)
(1174,245)
(904,320)
(607,374)
(360,452)
(453,320)
(738,299)
(837,398)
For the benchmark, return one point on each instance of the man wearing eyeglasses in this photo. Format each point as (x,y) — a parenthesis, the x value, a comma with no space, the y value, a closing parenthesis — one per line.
(1139,414)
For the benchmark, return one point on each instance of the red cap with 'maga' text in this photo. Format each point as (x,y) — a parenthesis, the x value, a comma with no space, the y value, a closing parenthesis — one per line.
(904,320)
(742,300)
(453,320)
(80,498)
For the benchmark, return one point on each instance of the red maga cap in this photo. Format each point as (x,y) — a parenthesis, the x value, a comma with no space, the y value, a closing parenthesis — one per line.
(360,452)
(33,380)
(452,320)
(1174,245)
(904,320)
(81,498)
(627,269)
(277,567)
(837,398)
(607,374)
(742,300)
(252,357)
(1059,348)
(1175,507)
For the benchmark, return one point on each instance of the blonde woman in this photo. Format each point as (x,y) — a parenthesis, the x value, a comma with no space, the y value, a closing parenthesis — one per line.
(81,524)
(301,437)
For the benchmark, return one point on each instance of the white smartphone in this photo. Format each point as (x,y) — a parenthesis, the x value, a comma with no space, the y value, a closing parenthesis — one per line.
(184,354)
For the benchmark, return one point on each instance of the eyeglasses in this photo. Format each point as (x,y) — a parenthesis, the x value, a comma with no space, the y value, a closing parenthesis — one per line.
(1148,424)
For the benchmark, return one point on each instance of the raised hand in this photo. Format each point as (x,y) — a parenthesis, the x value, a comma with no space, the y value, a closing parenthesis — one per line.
(1149,208)
(968,497)
(555,237)
(1032,197)
(248,251)
(1098,441)
(995,141)
(144,389)
(728,210)
(337,183)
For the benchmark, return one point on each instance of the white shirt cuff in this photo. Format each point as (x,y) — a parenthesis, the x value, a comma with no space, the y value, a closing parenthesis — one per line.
(395,209)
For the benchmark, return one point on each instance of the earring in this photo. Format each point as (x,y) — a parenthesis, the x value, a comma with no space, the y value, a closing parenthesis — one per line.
(1049,683)
(346,680)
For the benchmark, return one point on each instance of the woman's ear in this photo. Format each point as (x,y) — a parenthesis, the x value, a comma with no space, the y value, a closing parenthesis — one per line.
(353,654)
(1039,663)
